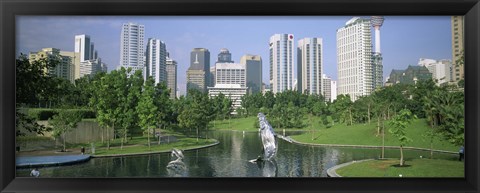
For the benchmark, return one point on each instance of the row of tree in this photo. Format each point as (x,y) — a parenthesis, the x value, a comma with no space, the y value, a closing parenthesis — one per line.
(442,106)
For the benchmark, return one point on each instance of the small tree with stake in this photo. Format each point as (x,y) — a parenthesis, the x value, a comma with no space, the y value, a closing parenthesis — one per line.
(399,123)
(64,121)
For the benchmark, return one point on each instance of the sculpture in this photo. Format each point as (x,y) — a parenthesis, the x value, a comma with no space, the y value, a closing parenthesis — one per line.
(177,168)
(268,138)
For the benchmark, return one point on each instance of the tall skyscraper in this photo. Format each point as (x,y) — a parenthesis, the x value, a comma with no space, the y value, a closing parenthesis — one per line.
(281,62)
(253,67)
(83,46)
(224,56)
(327,88)
(172,77)
(230,73)
(132,49)
(198,74)
(457,47)
(310,66)
(354,58)
(156,60)
(377,63)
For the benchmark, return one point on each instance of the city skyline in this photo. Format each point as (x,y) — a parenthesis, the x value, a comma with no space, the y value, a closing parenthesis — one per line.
(404,39)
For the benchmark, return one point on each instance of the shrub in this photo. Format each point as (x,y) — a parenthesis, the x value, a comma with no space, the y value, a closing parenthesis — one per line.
(45,114)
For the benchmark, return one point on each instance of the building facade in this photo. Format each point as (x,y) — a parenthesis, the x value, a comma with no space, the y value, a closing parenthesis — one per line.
(83,46)
(156,60)
(234,92)
(224,56)
(253,68)
(458,47)
(172,77)
(198,76)
(67,62)
(281,62)
(327,88)
(230,73)
(132,48)
(354,58)
(411,75)
(442,70)
(310,66)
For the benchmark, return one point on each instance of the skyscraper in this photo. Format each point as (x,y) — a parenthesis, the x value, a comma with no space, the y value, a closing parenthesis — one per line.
(377,63)
(67,62)
(457,47)
(132,49)
(281,62)
(83,46)
(253,67)
(310,66)
(354,58)
(172,77)
(224,56)
(156,60)
(198,74)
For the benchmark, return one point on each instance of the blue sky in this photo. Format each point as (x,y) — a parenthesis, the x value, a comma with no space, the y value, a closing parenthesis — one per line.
(404,39)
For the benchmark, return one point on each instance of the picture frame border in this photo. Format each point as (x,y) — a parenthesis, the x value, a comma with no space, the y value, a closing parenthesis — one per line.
(9,9)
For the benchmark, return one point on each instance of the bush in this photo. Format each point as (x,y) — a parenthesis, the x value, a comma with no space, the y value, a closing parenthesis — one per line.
(42,114)
(45,114)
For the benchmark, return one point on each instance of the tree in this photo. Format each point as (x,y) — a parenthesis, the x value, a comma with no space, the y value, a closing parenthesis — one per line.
(63,122)
(163,103)
(147,109)
(399,123)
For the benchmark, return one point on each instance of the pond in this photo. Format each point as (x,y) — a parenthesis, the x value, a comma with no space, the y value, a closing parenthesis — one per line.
(230,158)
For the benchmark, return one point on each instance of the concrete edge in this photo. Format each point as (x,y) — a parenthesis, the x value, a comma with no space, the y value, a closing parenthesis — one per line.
(332,172)
(290,140)
(155,152)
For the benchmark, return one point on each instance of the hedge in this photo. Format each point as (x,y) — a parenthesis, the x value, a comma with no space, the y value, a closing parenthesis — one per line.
(45,114)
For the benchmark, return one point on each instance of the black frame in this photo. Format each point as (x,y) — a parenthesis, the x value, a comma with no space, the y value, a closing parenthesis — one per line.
(10,8)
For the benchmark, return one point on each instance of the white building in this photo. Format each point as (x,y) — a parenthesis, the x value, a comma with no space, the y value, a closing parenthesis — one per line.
(333,90)
(327,88)
(230,73)
(354,58)
(442,70)
(156,63)
(310,66)
(281,62)
(234,92)
(132,49)
(92,67)
(83,46)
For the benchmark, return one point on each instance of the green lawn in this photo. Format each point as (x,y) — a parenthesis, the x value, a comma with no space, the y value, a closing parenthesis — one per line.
(142,147)
(237,124)
(366,134)
(415,168)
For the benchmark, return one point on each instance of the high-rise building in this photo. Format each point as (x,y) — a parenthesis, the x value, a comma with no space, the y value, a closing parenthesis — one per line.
(327,88)
(253,68)
(212,75)
(281,62)
(354,58)
(156,60)
(172,77)
(224,56)
(92,67)
(198,74)
(457,47)
(310,66)
(67,62)
(333,90)
(377,63)
(83,46)
(230,73)
(441,70)
(132,49)
(230,81)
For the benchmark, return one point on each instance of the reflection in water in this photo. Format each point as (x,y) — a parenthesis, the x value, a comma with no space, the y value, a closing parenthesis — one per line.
(227,159)
(268,168)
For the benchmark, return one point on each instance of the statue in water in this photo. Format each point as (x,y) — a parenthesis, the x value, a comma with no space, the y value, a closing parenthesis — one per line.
(268,139)
(176,168)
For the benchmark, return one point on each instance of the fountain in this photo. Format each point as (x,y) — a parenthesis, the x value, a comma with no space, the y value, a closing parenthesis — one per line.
(176,167)
(268,139)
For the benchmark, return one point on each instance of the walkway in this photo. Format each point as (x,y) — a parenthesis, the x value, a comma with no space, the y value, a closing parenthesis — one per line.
(55,160)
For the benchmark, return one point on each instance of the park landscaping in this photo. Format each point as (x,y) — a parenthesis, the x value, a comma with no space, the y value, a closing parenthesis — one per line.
(412,168)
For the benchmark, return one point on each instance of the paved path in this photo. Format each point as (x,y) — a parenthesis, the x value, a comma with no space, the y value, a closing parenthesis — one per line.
(332,172)
(43,161)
